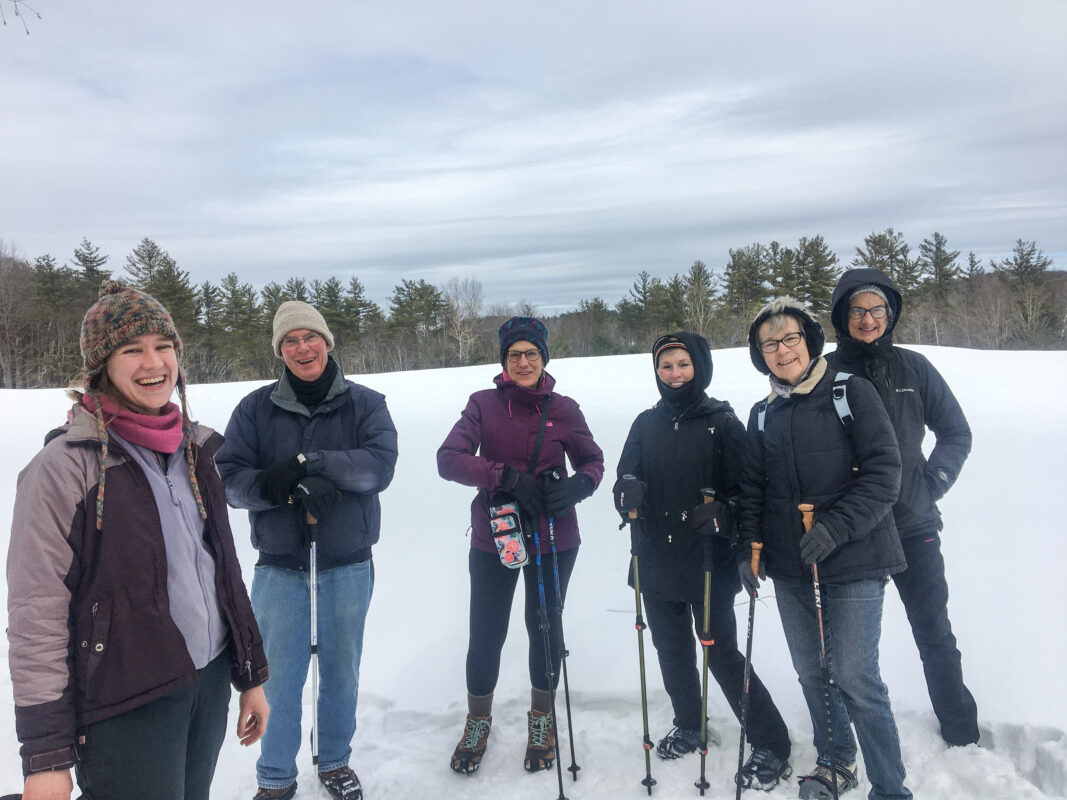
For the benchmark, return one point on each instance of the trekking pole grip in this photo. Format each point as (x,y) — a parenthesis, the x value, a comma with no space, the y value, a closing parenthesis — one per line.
(632,513)
(807,514)
(310,518)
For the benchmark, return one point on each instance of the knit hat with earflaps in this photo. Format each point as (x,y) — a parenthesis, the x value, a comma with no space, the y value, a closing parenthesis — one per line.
(122,313)
(813,333)
(295,315)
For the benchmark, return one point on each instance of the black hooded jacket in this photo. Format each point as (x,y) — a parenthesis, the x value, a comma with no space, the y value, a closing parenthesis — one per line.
(677,449)
(916,397)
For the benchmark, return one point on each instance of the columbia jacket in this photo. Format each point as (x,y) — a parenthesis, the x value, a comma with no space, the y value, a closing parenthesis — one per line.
(677,455)
(804,455)
(498,429)
(89,627)
(348,438)
(916,398)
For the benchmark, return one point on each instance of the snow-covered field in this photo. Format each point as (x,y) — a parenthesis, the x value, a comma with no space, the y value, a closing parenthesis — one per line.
(1004,545)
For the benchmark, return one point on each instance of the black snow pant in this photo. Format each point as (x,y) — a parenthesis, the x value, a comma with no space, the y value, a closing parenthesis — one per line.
(924,592)
(165,749)
(492,592)
(673,624)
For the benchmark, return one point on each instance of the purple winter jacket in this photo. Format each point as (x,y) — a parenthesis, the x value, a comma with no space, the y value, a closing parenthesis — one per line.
(498,429)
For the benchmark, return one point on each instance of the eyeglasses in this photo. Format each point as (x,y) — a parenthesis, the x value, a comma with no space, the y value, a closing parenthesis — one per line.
(515,356)
(293,342)
(789,340)
(859,312)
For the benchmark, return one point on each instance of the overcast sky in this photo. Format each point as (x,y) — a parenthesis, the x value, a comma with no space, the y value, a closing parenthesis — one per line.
(551,150)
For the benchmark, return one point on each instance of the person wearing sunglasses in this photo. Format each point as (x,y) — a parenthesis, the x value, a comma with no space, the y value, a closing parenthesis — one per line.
(506,441)
(866,307)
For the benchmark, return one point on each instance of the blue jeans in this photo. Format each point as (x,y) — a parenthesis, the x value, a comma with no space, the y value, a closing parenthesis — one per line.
(852,623)
(282,604)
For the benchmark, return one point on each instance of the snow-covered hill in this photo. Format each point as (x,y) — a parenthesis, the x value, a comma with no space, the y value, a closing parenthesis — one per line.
(1004,545)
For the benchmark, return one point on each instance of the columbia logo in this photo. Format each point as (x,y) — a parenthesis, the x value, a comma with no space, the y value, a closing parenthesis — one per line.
(905,390)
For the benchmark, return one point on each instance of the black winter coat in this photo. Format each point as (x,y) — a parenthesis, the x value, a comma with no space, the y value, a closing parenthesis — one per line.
(804,455)
(677,456)
(916,397)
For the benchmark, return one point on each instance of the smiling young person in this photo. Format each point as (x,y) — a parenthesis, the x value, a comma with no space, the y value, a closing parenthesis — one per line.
(684,444)
(128,618)
(800,452)
(506,440)
(866,308)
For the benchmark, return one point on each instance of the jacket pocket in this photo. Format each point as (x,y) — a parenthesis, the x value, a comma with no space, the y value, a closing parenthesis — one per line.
(93,642)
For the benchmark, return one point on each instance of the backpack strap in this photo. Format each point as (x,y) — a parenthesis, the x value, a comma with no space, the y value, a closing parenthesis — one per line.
(844,412)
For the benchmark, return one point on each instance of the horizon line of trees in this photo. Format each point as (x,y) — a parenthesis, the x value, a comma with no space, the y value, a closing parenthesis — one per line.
(1019,303)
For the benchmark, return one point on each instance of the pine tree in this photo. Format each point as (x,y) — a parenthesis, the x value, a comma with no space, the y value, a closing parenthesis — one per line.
(365,315)
(328,297)
(242,343)
(887,251)
(1025,272)
(745,280)
(89,264)
(157,274)
(785,274)
(938,265)
(818,273)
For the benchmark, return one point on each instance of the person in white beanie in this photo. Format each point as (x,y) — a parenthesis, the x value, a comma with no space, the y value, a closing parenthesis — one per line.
(311,442)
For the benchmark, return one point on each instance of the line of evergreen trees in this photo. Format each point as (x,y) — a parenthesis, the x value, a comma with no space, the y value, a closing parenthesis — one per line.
(226,325)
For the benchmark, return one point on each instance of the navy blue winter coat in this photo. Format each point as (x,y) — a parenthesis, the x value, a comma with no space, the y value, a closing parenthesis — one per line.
(348,438)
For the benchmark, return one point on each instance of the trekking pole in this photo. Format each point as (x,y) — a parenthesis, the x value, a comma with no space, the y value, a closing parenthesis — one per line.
(706,641)
(312,533)
(807,512)
(573,768)
(550,675)
(756,548)
(648,782)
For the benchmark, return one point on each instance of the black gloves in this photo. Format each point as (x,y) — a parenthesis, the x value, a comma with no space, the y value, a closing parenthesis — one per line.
(816,544)
(749,581)
(629,494)
(276,481)
(564,494)
(525,488)
(316,494)
(711,519)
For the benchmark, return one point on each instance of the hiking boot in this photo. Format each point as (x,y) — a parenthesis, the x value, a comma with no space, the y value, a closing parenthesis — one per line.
(541,744)
(763,770)
(682,741)
(467,756)
(342,784)
(276,794)
(819,785)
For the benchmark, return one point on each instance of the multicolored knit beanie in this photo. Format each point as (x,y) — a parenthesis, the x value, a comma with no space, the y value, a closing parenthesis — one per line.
(120,314)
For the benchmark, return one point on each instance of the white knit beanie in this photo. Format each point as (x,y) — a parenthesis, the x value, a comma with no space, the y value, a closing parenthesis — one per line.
(294,315)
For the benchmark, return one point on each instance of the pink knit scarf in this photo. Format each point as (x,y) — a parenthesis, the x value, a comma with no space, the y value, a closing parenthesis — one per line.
(162,433)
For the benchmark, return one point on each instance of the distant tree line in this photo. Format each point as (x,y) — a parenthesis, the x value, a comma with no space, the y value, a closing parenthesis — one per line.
(1019,302)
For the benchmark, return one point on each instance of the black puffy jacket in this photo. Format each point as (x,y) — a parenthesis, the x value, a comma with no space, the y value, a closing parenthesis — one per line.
(804,455)
(916,397)
(677,455)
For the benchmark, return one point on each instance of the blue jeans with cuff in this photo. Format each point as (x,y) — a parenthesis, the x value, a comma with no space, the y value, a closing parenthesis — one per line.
(281,601)
(852,625)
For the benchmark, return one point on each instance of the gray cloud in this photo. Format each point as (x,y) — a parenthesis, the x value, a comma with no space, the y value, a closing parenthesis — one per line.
(550,150)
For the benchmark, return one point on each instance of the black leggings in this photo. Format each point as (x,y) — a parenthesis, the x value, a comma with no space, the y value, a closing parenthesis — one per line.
(492,591)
